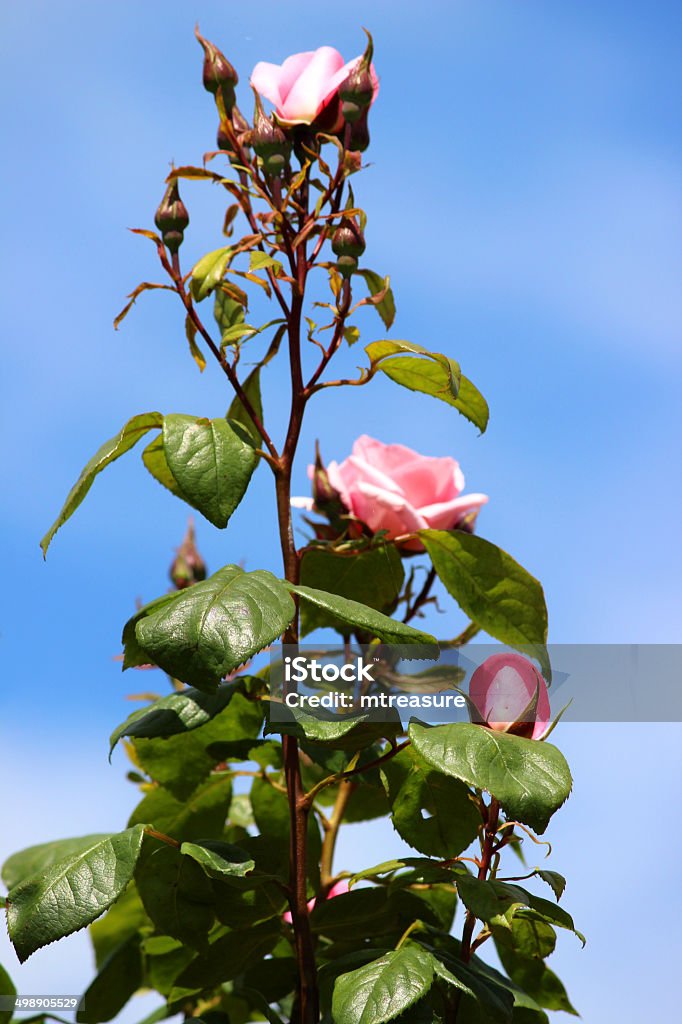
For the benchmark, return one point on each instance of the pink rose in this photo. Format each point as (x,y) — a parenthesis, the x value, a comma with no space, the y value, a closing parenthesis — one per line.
(503,687)
(390,487)
(336,890)
(305,84)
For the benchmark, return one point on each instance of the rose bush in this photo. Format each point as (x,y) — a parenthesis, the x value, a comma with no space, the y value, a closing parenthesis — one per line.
(503,687)
(391,487)
(306,84)
(336,890)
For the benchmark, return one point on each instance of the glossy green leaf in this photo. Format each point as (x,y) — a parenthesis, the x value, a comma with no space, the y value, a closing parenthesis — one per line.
(384,988)
(495,592)
(536,979)
(229,313)
(179,712)
(118,979)
(471,403)
(207,631)
(211,461)
(347,732)
(487,998)
(497,903)
(416,368)
(358,616)
(238,414)
(209,271)
(554,880)
(373,578)
(226,958)
(531,779)
(154,460)
(177,896)
(182,761)
(219,860)
(35,859)
(451,821)
(72,892)
(202,815)
(378,285)
(128,436)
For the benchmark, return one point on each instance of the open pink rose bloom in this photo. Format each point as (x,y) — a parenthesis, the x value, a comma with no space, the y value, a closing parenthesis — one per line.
(303,86)
(503,687)
(393,488)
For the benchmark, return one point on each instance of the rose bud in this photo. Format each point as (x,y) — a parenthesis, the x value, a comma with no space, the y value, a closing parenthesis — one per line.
(358,90)
(269,142)
(188,566)
(325,497)
(511,696)
(218,73)
(348,239)
(172,217)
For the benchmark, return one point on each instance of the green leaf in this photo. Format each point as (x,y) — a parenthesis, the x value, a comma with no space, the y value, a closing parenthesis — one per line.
(531,779)
(491,588)
(228,313)
(72,893)
(209,271)
(191,335)
(347,732)
(6,989)
(554,880)
(378,285)
(211,461)
(359,617)
(262,261)
(128,436)
(179,712)
(487,1000)
(219,860)
(373,578)
(351,334)
(154,459)
(36,859)
(498,904)
(226,958)
(414,367)
(118,979)
(203,633)
(413,786)
(536,979)
(471,403)
(202,815)
(381,990)
(238,414)
(177,896)
(182,761)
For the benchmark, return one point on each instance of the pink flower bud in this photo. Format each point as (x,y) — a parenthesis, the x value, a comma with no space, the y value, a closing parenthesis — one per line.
(188,566)
(503,689)
(336,890)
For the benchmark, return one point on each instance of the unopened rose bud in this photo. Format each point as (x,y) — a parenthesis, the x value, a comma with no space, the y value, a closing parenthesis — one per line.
(269,142)
(511,696)
(172,217)
(356,93)
(323,492)
(348,239)
(218,73)
(188,566)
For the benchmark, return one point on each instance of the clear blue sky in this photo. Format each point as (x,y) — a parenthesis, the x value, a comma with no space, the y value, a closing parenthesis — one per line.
(525,198)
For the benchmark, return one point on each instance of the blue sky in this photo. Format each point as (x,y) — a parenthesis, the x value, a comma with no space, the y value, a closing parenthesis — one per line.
(525,197)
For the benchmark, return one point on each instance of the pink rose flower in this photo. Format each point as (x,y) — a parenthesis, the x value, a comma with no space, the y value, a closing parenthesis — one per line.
(305,84)
(393,488)
(336,890)
(503,687)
